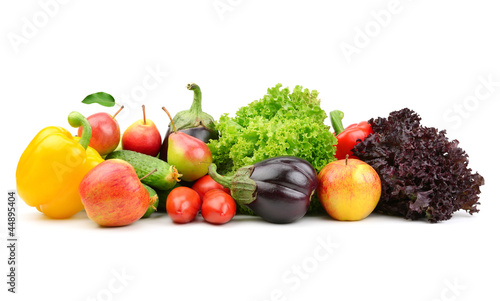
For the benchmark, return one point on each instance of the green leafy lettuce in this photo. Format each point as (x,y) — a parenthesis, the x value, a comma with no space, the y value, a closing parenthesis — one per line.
(281,123)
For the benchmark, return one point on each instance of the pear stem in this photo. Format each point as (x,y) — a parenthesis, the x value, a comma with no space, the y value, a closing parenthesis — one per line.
(171,120)
(151,172)
(144,113)
(121,108)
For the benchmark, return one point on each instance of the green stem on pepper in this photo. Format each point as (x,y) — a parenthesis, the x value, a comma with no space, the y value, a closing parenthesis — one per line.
(336,120)
(76,119)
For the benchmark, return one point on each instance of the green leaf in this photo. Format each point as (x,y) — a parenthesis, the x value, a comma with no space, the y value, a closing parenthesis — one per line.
(102,98)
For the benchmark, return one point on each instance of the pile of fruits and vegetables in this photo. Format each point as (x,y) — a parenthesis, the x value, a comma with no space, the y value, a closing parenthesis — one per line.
(275,159)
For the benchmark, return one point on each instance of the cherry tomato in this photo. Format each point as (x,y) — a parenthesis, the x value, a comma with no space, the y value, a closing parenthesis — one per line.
(183,204)
(218,207)
(205,184)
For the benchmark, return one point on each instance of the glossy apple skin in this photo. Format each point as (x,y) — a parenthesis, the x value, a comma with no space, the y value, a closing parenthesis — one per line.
(142,138)
(349,192)
(113,195)
(105,133)
(189,155)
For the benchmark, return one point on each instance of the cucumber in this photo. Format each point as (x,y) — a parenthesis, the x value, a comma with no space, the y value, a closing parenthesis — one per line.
(153,201)
(165,177)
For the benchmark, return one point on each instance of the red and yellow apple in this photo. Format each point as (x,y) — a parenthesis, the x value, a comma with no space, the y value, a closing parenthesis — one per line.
(113,195)
(349,189)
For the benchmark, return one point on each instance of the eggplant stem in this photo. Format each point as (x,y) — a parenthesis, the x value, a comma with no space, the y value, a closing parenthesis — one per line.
(196,106)
(224,181)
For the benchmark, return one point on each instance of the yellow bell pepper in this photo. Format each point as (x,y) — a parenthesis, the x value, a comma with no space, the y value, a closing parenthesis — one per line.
(52,167)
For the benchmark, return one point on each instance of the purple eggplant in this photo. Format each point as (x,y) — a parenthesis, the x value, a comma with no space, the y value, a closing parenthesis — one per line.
(277,189)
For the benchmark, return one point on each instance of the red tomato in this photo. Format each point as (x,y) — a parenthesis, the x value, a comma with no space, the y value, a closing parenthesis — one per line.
(205,184)
(183,204)
(218,207)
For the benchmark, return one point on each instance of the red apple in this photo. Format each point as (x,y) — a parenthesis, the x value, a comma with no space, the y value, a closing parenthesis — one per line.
(349,189)
(105,132)
(142,136)
(113,195)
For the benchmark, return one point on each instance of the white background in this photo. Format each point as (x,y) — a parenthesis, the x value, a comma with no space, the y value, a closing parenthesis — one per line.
(430,56)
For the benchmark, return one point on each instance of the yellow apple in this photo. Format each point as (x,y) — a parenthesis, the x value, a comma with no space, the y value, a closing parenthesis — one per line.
(349,189)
